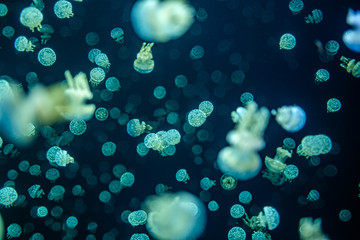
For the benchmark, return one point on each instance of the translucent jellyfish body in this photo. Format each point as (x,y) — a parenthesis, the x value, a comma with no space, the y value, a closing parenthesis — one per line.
(97,75)
(313,145)
(196,118)
(182,176)
(236,233)
(72,222)
(31,17)
(117,34)
(269,219)
(63,9)
(3,10)
(316,16)
(242,165)
(213,206)
(206,183)
(14,230)
(23,44)
(46,57)
(351,66)
(175,216)
(237,211)
(322,75)
(332,47)
(276,166)
(8,196)
(287,41)
(8,31)
(144,62)
(351,38)
(137,218)
(291,118)
(296,6)
(310,229)
(161,21)
(333,105)
(102,60)
(135,128)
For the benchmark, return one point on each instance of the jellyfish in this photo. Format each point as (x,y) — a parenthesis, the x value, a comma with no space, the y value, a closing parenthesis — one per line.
(316,16)
(291,118)
(72,222)
(268,219)
(296,6)
(310,229)
(47,57)
(182,176)
(144,62)
(175,216)
(196,118)
(351,38)
(13,231)
(206,183)
(46,31)
(63,9)
(351,66)
(117,34)
(23,44)
(8,31)
(3,10)
(287,41)
(313,145)
(333,105)
(322,75)
(276,166)
(332,47)
(8,196)
(31,17)
(102,60)
(161,21)
(135,128)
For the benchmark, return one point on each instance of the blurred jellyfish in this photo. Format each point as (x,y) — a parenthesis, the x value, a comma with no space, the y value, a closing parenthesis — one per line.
(46,31)
(117,34)
(296,6)
(144,62)
(3,10)
(206,183)
(351,38)
(332,47)
(345,215)
(31,17)
(322,75)
(47,57)
(72,222)
(310,229)
(8,31)
(63,9)
(313,145)
(351,66)
(112,84)
(14,230)
(161,21)
(287,41)
(175,216)
(316,16)
(313,195)
(333,105)
(197,52)
(108,148)
(39,4)
(137,218)
(228,182)
(276,166)
(291,118)
(245,197)
(268,219)
(159,92)
(246,97)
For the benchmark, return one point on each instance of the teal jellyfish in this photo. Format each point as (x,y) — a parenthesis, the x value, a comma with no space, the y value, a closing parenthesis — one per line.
(316,16)
(287,41)
(46,57)
(63,9)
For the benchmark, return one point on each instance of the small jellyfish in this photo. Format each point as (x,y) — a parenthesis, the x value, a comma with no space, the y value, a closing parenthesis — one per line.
(77,127)
(333,105)
(287,41)
(291,118)
(137,218)
(159,92)
(93,53)
(23,44)
(105,197)
(71,222)
(296,6)
(42,212)
(14,230)
(92,38)
(288,143)
(101,114)
(8,196)
(161,21)
(291,172)
(197,52)
(182,176)
(332,47)
(237,211)
(31,17)
(108,149)
(112,84)
(236,233)
(127,179)
(47,57)
(322,75)
(213,206)
(102,60)
(351,66)
(269,219)
(52,174)
(313,145)
(3,10)
(246,97)
(135,128)
(56,193)
(97,75)
(345,215)
(8,31)
(245,197)
(46,31)
(316,16)
(313,195)
(39,4)
(144,62)
(196,118)
(63,9)
(181,81)
(117,34)
(351,38)
(206,183)
(206,107)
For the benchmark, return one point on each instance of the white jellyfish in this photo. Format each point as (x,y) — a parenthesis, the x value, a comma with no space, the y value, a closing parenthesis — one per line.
(314,145)
(175,216)
(291,118)
(144,62)
(269,219)
(161,21)
(351,38)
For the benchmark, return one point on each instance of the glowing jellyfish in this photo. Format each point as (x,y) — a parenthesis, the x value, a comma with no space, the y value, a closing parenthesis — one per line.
(213,206)
(228,182)
(258,235)
(296,6)
(291,118)
(159,92)
(181,81)
(42,211)
(322,75)
(46,31)
(172,137)
(276,166)
(333,105)
(3,10)
(237,211)
(206,107)
(182,176)
(345,215)
(77,127)
(112,84)
(316,16)
(197,52)
(39,4)
(206,183)
(313,195)
(351,38)
(144,62)
(196,118)
(313,145)
(101,114)
(46,57)
(175,216)
(62,158)
(351,66)
(93,53)
(135,128)
(23,44)
(332,47)
(287,41)
(291,172)
(97,75)
(161,21)
(236,233)
(310,229)
(8,196)
(289,143)
(127,179)
(246,97)
(137,218)
(63,9)
(108,149)
(245,197)
(52,174)
(56,193)
(269,219)
(8,31)
(117,34)
(14,230)
(31,17)
(102,60)
(139,236)
(71,222)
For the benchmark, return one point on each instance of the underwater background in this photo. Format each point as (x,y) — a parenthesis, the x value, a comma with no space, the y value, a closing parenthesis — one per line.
(237,35)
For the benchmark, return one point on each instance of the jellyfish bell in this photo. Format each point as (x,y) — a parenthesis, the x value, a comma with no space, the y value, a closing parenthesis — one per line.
(291,118)
(161,21)
(175,216)
(351,38)
(242,165)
